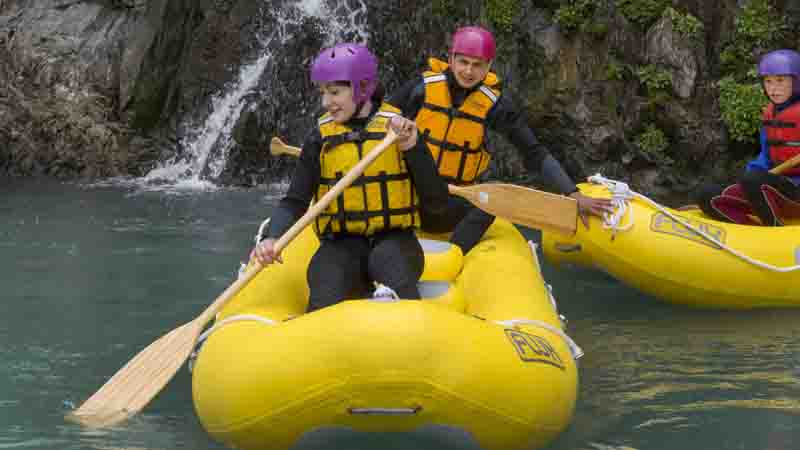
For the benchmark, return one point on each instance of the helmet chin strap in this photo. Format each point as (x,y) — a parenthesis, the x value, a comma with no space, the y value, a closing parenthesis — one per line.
(360,108)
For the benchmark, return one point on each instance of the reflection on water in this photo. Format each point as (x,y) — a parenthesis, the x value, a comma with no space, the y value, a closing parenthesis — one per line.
(93,275)
(659,376)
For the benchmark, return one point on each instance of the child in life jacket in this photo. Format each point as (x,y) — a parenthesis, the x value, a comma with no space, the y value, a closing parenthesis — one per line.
(758,193)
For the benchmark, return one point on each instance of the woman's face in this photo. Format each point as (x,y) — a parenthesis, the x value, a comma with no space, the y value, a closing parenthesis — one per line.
(778,87)
(337,99)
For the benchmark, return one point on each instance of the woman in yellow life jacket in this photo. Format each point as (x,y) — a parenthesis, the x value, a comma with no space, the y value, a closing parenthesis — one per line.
(454,104)
(367,234)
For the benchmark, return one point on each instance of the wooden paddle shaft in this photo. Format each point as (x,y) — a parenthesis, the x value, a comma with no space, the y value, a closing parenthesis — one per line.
(278,147)
(144,376)
(786,165)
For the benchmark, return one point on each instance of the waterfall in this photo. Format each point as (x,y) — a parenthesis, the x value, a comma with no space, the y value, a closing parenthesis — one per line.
(207,147)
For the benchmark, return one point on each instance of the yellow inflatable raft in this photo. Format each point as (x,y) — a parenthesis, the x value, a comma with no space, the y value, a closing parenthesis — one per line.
(484,353)
(685,257)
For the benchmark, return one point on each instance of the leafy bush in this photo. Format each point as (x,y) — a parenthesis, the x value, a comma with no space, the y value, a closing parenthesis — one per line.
(642,12)
(652,141)
(758,27)
(576,15)
(741,105)
(502,13)
(686,25)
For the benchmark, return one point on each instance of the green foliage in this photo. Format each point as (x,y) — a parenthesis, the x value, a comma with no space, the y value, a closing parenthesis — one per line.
(576,15)
(642,12)
(502,13)
(443,8)
(686,25)
(759,23)
(741,105)
(656,80)
(652,141)
(615,71)
(757,27)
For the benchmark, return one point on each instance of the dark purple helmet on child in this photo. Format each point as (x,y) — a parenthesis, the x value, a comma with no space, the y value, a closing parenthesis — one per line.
(782,62)
(348,62)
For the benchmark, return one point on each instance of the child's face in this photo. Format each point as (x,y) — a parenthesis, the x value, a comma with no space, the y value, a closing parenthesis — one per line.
(337,99)
(778,87)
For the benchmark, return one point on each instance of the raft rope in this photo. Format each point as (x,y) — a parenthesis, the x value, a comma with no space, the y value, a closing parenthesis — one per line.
(222,323)
(621,194)
(576,351)
(384,294)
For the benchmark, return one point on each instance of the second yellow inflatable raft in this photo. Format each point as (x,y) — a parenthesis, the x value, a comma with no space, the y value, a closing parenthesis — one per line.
(685,257)
(485,353)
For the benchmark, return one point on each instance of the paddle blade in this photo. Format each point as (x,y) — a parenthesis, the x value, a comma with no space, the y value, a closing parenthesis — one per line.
(523,206)
(139,381)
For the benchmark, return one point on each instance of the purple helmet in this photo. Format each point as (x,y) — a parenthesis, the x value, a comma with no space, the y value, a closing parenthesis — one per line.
(782,62)
(348,62)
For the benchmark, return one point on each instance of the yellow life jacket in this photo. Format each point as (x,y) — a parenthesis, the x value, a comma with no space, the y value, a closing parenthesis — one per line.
(456,136)
(382,198)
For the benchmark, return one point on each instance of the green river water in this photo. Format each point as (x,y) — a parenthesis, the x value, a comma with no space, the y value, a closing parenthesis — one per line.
(91,274)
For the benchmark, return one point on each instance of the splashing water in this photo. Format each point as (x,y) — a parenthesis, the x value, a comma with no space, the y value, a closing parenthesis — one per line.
(207,148)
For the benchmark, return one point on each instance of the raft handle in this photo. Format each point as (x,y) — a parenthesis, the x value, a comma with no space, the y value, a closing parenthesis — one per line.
(568,248)
(385,411)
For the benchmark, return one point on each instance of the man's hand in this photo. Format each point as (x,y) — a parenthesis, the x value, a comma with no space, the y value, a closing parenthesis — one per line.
(590,205)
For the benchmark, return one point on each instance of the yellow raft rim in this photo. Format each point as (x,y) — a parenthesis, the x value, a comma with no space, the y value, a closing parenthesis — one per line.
(686,258)
(485,353)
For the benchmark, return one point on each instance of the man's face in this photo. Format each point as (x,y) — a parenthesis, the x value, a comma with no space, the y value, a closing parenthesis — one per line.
(778,87)
(468,71)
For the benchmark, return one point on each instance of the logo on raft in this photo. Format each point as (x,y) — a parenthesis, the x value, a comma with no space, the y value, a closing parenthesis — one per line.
(532,348)
(661,223)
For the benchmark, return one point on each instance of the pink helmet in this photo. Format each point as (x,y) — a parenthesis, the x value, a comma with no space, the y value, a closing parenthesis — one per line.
(476,42)
(348,62)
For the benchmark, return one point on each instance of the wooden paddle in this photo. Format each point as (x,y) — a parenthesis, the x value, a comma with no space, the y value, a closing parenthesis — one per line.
(786,165)
(517,204)
(133,386)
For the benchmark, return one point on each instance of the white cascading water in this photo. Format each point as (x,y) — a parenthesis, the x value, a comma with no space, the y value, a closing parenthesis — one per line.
(206,150)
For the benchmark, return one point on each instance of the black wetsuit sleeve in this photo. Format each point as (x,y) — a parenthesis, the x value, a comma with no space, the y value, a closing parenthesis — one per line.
(305,181)
(409,98)
(431,188)
(506,119)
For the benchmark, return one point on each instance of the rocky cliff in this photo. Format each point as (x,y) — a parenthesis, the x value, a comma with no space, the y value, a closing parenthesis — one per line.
(657,92)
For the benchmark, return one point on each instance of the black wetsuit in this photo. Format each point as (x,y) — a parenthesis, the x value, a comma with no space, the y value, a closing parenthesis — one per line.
(467,222)
(346,264)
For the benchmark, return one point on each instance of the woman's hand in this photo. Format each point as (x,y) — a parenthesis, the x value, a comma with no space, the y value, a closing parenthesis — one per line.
(406,132)
(265,253)
(591,205)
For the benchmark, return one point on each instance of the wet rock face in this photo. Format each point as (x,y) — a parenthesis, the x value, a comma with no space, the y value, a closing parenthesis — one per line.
(111,87)
(77,69)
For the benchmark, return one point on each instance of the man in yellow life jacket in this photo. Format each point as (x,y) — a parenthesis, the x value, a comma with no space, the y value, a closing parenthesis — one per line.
(367,233)
(454,104)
